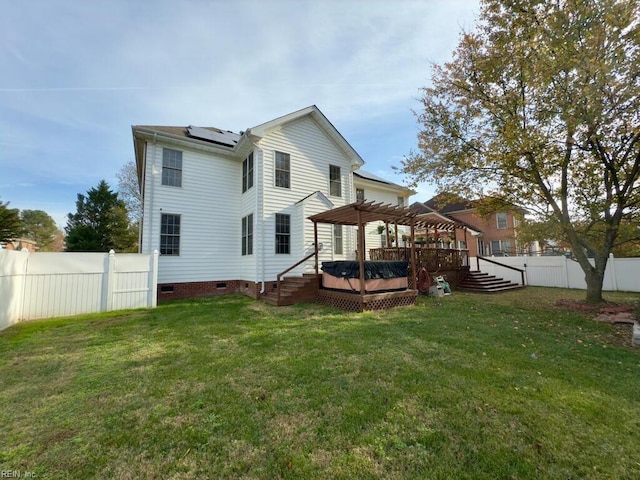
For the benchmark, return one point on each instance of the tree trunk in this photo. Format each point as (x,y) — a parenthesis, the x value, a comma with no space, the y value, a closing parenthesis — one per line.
(594,278)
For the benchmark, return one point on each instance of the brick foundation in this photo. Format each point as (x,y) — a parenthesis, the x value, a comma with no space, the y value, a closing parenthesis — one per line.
(174,291)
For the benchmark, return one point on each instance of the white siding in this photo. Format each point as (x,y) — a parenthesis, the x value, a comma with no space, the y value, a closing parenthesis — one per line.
(375,193)
(209,203)
(311,154)
(249,204)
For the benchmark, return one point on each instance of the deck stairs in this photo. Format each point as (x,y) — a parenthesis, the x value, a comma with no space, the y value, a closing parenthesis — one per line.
(295,289)
(481,282)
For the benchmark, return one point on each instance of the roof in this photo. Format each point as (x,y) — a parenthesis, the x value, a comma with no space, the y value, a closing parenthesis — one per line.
(368,176)
(191,132)
(447,203)
(314,112)
(424,212)
(365,212)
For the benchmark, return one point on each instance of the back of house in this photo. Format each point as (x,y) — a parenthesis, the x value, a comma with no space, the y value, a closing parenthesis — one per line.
(228,211)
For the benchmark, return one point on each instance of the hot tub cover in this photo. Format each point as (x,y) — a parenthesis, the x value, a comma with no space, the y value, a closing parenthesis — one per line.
(372,269)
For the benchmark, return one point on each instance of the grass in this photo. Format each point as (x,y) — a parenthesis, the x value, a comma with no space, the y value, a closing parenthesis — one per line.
(466,386)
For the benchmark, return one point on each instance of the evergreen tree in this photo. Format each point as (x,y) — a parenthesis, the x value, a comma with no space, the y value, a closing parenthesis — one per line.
(10,225)
(100,223)
(39,227)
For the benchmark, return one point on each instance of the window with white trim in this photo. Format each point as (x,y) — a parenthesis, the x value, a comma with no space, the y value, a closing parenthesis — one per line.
(283,233)
(169,234)
(247,235)
(401,202)
(501,248)
(501,219)
(247,173)
(283,170)
(337,240)
(171,167)
(335,181)
(359,194)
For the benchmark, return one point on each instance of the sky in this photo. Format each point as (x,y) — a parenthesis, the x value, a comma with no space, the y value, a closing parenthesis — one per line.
(76,74)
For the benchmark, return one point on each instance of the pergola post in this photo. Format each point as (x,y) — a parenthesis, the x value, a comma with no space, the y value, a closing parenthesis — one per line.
(395,224)
(414,276)
(361,247)
(386,230)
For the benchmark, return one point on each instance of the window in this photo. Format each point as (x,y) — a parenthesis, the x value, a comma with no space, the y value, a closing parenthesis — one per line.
(247,235)
(283,170)
(171,167)
(500,248)
(170,234)
(283,233)
(401,202)
(337,239)
(335,181)
(502,220)
(516,222)
(247,173)
(359,194)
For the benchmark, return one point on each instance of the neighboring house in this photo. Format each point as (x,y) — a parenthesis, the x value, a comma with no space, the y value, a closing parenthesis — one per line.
(495,234)
(228,211)
(21,244)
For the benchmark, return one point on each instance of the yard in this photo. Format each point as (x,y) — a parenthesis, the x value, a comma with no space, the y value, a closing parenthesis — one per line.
(466,386)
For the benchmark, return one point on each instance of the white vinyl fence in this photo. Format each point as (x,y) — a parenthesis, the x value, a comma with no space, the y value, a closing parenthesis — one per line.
(42,285)
(622,274)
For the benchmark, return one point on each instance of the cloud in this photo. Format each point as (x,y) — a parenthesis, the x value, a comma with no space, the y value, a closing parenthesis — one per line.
(69,94)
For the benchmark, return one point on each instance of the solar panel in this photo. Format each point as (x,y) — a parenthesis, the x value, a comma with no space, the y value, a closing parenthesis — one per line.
(370,176)
(228,139)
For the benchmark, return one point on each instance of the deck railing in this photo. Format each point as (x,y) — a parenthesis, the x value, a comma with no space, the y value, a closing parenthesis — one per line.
(281,274)
(433,259)
(478,258)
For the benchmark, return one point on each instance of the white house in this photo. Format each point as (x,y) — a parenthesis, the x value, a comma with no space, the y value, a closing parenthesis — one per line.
(228,211)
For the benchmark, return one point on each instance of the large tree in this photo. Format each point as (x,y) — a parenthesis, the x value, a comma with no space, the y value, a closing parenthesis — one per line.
(38,226)
(100,223)
(540,108)
(10,225)
(129,190)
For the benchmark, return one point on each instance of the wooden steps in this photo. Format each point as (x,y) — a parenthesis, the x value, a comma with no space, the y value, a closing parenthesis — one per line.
(295,290)
(480,282)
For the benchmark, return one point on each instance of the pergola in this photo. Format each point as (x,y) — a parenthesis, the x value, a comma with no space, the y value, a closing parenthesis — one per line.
(360,213)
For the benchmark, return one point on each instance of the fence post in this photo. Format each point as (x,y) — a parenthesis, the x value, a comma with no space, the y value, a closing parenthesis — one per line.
(152,297)
(107,289)
(566,272)
(23,287)
(614,276)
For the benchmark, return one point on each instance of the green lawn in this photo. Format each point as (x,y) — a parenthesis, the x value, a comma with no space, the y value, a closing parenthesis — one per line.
(466,386)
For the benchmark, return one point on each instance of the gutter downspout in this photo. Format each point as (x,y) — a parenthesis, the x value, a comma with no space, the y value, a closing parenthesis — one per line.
(259,202)
(153,181)
(142,187)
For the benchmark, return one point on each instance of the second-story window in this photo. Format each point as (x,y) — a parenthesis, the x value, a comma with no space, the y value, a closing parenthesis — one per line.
(401,202)
(501,218)
(283,170)
(247,173)
(359,194)
(171,167)
(335,181)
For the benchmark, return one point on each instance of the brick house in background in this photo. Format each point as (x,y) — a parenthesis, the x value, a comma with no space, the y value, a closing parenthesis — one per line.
(20,244)
(495,234)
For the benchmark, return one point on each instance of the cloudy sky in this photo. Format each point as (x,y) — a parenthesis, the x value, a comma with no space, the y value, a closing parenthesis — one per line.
(75,75)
